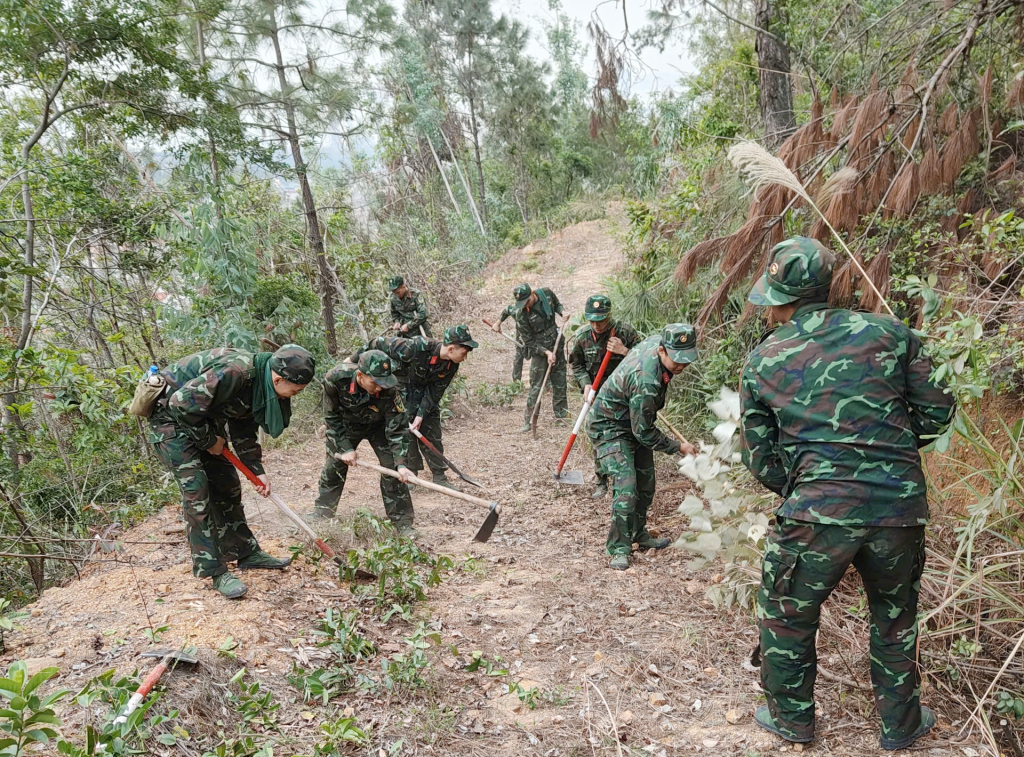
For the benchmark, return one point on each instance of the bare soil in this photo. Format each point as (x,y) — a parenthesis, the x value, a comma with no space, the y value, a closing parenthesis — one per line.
(637,662)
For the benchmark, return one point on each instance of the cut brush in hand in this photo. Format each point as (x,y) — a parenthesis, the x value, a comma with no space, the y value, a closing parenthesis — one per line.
(762,169)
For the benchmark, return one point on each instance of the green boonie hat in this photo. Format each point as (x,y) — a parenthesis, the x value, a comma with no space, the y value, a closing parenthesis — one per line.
(395,281)
(460,335)
(680,342)
(379,367)
(522,294)
(800,268)
(598,308)
(293,363)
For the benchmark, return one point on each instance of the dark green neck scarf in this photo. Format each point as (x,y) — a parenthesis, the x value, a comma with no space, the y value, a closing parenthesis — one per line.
(272,412)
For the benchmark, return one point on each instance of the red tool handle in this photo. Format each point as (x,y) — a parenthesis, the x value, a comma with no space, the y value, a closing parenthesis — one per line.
(255,481)
(586,406)
(150,681)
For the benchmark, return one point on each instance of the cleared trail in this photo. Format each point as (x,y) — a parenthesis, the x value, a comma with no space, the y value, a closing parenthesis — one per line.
(639,655)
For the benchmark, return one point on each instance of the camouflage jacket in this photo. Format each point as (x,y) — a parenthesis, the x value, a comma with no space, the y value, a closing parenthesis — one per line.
(835,406)
(588,348)
(353,413)
(628,402)
(411,311)
(209,394)
(421,371)
(536,327)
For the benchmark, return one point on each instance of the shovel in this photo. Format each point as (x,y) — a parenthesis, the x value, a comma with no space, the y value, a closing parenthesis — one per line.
(544,383)
(575,477)
(449,463)
(495,507)
(167,656)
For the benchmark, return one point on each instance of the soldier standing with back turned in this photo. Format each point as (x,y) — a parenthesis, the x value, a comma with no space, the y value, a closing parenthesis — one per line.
(601,334)
(535,313)
(621,426)
(835,406)
(408,308)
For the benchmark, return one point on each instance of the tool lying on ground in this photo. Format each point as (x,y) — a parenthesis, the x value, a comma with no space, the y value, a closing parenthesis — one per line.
(292,515)
(482,535)
(167,656)
(449,463)
(575,477)
(544,383)
(514,341)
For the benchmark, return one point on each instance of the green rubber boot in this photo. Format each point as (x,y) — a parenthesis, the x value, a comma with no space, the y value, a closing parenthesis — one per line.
(927,723)
(408,532)
(260,560)
(764,719)
(646,541)
(600,490)
(525,429)
(442,480)
(229,586)
(619,562)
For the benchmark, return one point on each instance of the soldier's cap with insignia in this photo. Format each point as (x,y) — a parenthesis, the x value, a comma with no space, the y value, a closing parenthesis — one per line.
(460,335)
(598,308)
(680,342)
(800,269)
(395,282)
(379,367)
(293,363)
(521,293)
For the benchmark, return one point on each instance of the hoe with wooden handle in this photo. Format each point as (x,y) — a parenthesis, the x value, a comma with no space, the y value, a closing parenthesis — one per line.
(516,342)
(495,507)
(167,656)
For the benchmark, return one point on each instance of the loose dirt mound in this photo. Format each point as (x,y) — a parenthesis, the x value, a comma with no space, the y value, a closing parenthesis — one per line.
(621,662)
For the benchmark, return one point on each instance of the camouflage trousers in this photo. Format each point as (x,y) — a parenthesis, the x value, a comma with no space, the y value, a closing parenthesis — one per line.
(397,501)
(431,430)
(629,468)
(538,367)
(212,497)
(517,365)
(803,563)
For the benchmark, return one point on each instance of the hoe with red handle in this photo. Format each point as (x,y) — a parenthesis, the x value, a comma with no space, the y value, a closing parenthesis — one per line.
(574,476)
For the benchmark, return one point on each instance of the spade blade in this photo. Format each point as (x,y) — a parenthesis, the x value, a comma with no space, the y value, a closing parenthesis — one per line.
(489,523)
(573,477)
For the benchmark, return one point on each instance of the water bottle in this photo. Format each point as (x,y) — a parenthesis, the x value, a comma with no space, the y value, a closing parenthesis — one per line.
(153,377)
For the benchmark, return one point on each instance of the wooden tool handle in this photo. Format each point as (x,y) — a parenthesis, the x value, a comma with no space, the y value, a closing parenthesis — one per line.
(420,482)
(673,429)
(490,325)
(544,383)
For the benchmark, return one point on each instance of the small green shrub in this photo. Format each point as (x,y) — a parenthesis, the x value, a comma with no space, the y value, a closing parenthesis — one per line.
(498,395)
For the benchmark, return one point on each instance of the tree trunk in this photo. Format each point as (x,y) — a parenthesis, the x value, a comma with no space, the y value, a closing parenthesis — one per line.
(316,240)
(476,137)
(775,95)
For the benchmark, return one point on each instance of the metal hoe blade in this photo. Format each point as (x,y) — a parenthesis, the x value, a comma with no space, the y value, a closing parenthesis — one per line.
(489,523)
(175,654)
(573,477)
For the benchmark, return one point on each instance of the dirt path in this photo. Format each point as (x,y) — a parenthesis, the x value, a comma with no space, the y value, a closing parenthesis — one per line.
(640,655)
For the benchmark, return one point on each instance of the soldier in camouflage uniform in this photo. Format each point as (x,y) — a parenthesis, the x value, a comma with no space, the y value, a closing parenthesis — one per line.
(424,369)
(602,334)
(363,403)
(621,426)
(213,397)
(408,308)
(517,361)
(537,327)
(836,405)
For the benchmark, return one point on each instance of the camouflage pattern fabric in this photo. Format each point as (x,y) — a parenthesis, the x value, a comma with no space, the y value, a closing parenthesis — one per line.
(835,406)
(803,564)
(800,269)
(410,311)
(538,367)
(209,394)
(431,430)
(587,351)
(629,467)
(537,329)
(352,416)
(293,363)
(517,361)
(627,404)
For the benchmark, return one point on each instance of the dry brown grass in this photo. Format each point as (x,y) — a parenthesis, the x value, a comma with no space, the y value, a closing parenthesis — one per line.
(905,191)
(930,173)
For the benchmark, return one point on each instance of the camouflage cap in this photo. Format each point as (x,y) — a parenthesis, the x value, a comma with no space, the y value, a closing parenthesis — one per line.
(395,282)
(800,268)
(460,335)
(680,342)
(522,294)
(293,363)
(598,308)
(379,367)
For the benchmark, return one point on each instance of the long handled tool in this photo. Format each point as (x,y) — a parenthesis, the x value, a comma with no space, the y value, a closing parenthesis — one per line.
(544,383)
(575,477)
(514,341)
(673,429)
(449,463)
(495,507)
(292,515)
(167,656)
